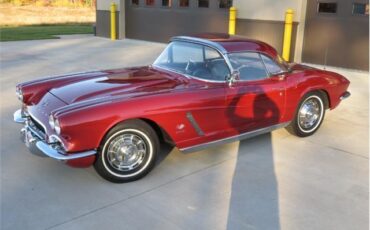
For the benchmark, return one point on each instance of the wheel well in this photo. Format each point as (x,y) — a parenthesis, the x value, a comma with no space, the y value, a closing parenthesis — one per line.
(326,98)
(162,134)
(323,93)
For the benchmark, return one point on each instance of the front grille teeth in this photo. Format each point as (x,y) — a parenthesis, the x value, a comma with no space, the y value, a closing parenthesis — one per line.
(37,127)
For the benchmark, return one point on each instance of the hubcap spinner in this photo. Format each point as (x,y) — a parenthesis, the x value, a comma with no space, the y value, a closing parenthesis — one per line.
(126,152)
(309,113)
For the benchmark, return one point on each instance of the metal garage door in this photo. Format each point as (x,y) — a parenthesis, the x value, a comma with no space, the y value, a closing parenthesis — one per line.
(158,20)
(337,33)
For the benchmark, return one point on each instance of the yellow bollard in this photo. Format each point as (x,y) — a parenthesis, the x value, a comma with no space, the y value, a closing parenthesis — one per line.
(232,20)
(287,33)
(113,21)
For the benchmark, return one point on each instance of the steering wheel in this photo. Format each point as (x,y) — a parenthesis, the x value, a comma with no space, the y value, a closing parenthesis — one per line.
(189,66)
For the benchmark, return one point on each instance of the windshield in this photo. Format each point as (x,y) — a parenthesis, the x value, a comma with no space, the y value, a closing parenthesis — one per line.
(195,60)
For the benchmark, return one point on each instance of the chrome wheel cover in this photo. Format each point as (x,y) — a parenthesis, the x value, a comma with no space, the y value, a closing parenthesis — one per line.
(310,113)
(126,152)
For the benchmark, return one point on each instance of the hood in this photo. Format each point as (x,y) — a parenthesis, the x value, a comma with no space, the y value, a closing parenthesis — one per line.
(131,82)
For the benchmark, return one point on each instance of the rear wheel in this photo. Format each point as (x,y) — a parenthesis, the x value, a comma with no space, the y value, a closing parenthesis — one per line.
(309,116)
(128,152)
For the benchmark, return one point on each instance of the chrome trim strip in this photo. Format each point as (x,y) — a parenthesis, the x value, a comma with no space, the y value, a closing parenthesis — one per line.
(34,132)
(195,125)
(345,96)
(264,66)
(50,152)
(234,138)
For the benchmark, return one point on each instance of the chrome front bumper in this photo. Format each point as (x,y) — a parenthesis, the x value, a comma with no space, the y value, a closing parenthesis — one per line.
(37,144)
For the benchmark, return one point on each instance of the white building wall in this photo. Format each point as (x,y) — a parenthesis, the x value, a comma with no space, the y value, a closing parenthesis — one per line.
(267,9)
(105,4)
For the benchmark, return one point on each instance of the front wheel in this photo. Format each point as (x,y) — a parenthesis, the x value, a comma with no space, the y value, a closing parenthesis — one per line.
(309,116)
(128,152)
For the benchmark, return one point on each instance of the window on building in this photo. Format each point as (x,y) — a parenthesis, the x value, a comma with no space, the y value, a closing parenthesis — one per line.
(167,3)
(360,9)
(184,3)
(327,7)
(135,2)
(249,65)
(226,3)
(203,3)
(150,2)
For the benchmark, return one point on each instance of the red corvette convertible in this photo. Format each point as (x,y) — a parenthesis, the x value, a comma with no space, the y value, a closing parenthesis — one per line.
(201,91)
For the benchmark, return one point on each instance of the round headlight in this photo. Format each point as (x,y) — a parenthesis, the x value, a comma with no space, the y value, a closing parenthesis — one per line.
(51,122)
(54,124)
(19,94)
(57,126)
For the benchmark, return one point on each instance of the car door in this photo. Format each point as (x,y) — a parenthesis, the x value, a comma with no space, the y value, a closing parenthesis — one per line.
(257,99)
(203,116)
(209,114)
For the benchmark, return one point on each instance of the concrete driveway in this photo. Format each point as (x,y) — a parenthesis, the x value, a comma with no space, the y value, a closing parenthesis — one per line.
(274,181)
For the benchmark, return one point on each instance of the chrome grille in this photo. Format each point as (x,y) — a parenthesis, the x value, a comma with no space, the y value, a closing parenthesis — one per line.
(37,127)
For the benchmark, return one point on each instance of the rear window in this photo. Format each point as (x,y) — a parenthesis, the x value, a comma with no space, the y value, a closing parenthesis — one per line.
(249,65)
(271,66)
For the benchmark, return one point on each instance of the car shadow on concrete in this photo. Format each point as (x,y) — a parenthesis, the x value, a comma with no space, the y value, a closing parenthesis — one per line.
(166,149)
(254,200)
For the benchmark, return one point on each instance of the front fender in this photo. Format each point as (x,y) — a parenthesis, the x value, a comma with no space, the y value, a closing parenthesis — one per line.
(85,128)
(333,84)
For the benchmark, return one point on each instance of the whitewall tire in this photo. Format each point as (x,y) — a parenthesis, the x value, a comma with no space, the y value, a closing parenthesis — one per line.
(128,152)
(309,115)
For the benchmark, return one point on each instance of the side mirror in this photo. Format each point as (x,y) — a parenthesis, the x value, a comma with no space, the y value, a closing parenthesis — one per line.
(279,76)
(233,77)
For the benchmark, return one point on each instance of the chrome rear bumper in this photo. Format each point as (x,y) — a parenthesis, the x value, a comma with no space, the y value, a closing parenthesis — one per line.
(345,95)
(37,144)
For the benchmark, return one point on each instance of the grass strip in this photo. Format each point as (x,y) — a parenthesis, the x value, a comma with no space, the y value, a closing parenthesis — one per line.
(37,32)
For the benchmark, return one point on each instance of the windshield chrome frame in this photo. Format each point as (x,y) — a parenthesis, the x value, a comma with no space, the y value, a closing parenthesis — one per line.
(213,45)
